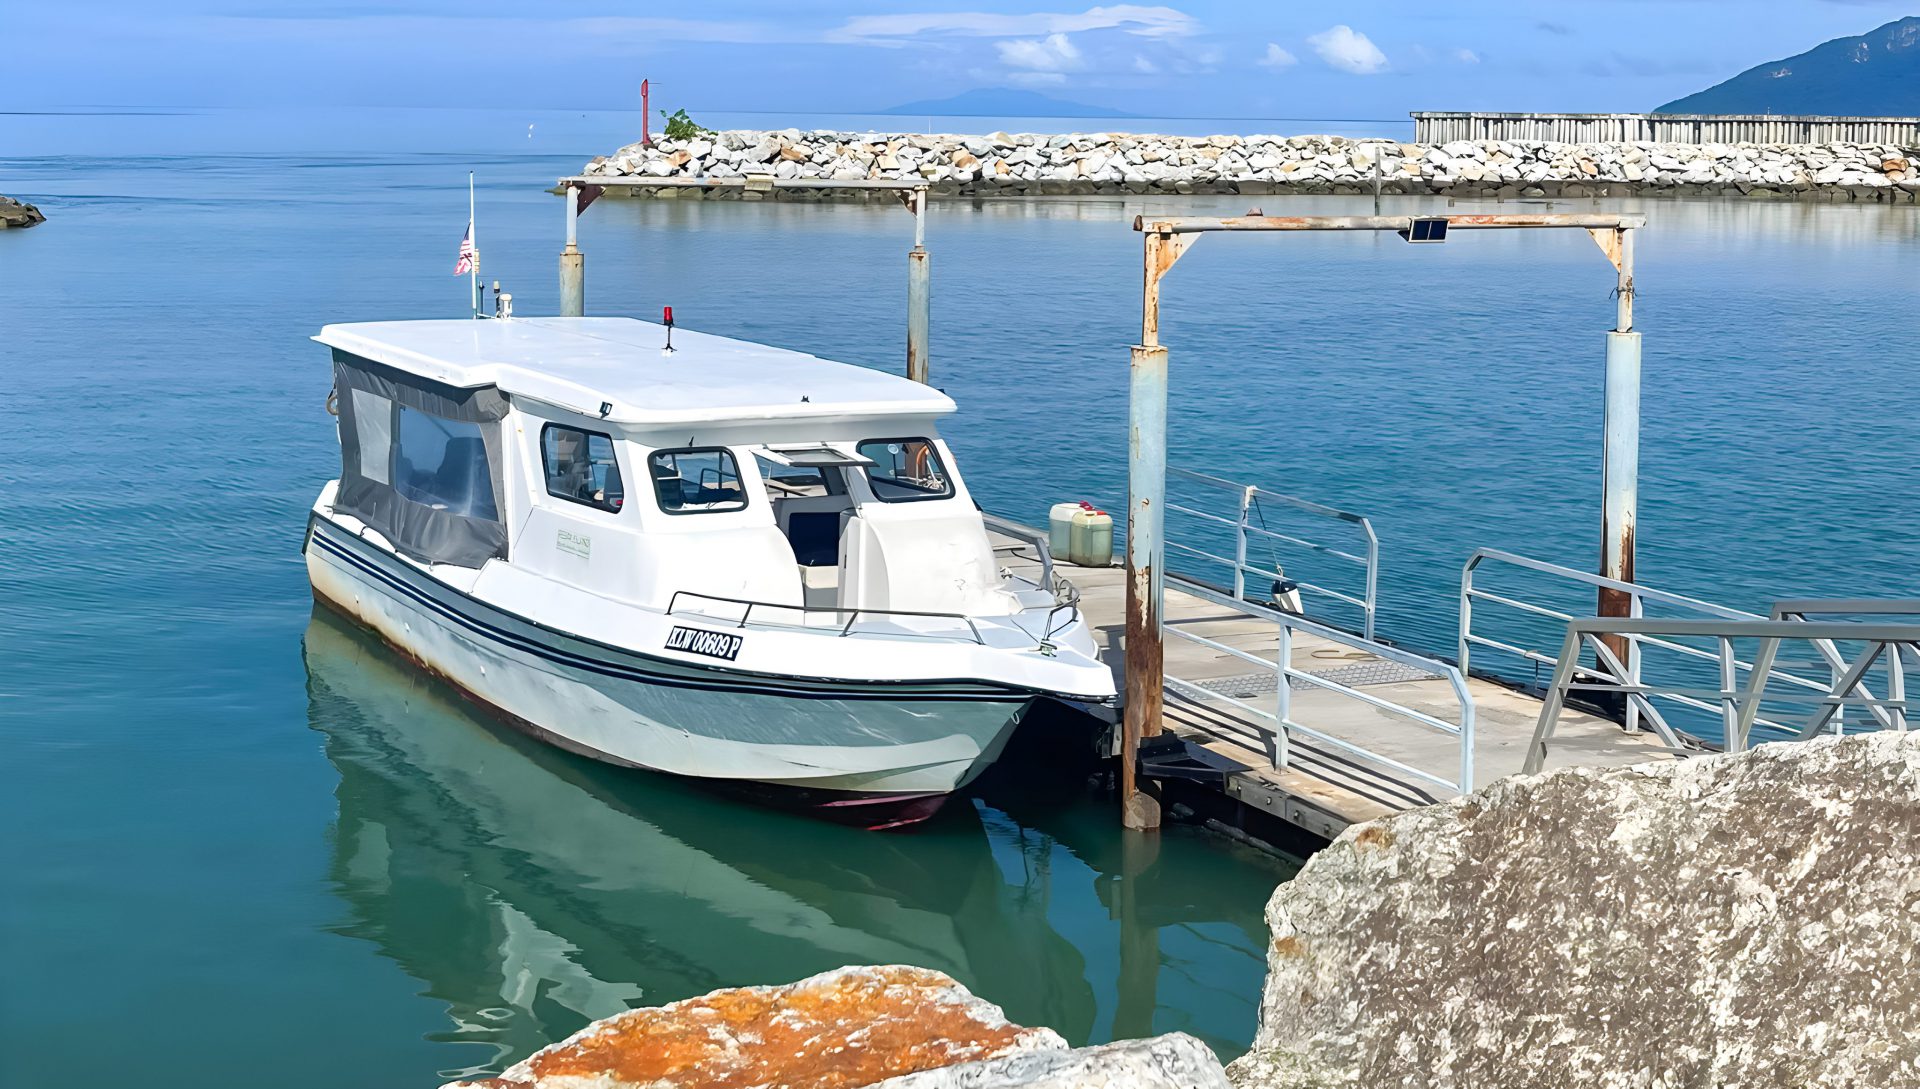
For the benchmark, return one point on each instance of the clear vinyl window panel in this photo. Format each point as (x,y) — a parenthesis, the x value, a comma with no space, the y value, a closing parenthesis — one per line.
(442,464)
(580,467)
(373,423)
(905,470)
(697,480)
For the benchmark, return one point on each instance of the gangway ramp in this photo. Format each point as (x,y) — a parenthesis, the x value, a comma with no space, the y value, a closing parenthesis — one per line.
(1371,730)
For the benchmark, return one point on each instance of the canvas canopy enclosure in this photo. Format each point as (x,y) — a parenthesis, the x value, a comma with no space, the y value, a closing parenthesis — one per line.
(421,462)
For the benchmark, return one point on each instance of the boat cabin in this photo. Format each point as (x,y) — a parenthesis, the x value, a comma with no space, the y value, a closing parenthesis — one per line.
(582,450)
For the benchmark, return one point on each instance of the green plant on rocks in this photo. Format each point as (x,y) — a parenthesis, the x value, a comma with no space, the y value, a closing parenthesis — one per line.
(682,127)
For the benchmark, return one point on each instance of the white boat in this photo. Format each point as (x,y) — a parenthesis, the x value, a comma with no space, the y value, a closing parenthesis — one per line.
(798,596)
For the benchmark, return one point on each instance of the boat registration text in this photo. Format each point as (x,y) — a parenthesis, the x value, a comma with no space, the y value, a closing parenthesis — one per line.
(713,644)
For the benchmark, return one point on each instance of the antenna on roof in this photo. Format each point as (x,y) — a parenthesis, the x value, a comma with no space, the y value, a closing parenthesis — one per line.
(666,318)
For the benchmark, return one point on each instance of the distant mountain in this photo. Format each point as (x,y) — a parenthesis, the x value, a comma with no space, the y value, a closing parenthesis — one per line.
(1876,74)
(1001,102)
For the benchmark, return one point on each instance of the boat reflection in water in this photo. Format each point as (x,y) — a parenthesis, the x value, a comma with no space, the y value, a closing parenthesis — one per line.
(532,891)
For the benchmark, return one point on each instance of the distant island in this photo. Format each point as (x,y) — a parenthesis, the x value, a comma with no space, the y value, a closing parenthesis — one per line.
(1001,102)
(1876,74)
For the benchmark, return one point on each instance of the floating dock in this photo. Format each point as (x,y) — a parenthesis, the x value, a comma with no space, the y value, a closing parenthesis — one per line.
(1370,759)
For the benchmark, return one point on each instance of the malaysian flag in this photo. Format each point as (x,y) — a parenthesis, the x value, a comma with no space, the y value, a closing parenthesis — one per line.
(469,256)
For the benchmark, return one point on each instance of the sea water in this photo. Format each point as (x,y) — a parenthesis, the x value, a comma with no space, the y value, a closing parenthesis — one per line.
(242,843)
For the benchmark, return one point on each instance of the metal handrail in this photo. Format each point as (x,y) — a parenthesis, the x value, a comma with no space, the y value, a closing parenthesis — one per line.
(1807,608)
(1639,703)
(1287,625)
(1241,528)
(1637,593)
(853,614)
(1066,595)
(1007,527)
(1740,702)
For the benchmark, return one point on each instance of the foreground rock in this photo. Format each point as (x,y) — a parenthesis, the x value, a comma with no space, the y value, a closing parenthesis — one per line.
(1031,164)
(15,214)
(899,1027)
(1173,1061)
(1749,920)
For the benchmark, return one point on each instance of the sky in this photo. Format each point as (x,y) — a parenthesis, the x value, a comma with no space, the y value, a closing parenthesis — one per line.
(1205,58)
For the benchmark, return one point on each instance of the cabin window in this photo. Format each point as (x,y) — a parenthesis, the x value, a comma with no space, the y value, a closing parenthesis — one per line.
(373,420)
(905,470)
(580,467)
(697,480)
(442,464)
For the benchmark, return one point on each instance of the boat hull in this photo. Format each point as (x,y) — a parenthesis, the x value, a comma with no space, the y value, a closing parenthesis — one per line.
(877,754)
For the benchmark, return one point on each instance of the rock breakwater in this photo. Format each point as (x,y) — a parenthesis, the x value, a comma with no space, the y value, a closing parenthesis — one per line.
(15,214)
(1025,165)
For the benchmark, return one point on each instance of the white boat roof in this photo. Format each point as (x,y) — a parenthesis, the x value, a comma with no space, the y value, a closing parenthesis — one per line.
(580,363)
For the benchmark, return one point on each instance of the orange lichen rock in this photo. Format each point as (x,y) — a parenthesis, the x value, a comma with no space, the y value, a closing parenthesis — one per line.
(839,1030)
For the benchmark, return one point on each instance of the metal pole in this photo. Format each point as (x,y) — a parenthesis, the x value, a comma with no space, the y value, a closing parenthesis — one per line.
(1620,479)
(1283,698)
(1146,496)
(1240,547)
(1549,720)
(1379,152)
(919,290)
(573,263)
(473,241)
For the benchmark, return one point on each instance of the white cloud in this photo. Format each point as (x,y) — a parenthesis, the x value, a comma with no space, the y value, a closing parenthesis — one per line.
(1143,20)
(1349,50)
(1053,53)
(1144,66)
(1277,57)
(1466,56)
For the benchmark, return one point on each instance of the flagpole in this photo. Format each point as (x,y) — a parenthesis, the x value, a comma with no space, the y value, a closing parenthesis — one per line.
(473,268)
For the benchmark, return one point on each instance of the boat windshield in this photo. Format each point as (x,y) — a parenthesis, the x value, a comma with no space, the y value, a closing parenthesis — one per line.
(905,470)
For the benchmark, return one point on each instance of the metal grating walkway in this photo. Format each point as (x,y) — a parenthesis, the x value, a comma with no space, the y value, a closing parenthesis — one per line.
(1356,675)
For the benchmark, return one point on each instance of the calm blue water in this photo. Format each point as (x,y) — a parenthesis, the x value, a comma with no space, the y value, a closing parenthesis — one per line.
(240,845)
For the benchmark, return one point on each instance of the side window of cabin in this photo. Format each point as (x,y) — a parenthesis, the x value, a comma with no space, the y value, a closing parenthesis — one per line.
(905,470)
(580,467)
(697,480)
(373,420)
(442,464)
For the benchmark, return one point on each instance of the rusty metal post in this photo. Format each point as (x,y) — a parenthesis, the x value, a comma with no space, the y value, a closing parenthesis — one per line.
(646,108)
(1146,496)
(1620,487)
(573,263)
(919,291)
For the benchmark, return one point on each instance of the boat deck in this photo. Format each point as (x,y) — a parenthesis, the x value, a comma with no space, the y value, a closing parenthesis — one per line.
(1324,789)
